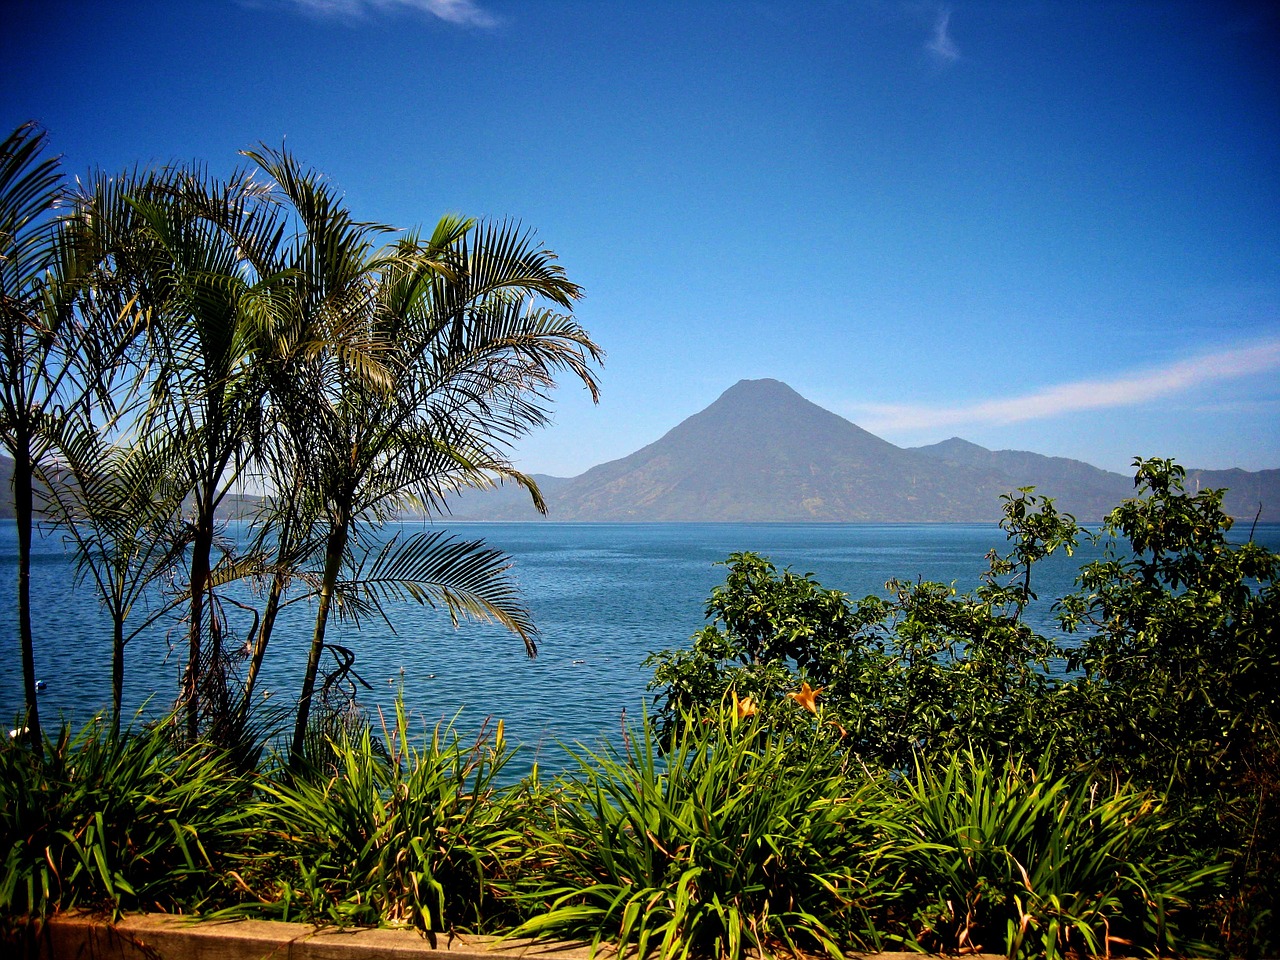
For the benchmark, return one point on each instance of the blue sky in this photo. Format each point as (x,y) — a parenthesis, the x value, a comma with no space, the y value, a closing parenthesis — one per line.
(1051,226)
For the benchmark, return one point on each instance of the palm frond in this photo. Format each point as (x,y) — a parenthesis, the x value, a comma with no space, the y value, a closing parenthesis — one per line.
(29,188)
(467,576)
(120,506)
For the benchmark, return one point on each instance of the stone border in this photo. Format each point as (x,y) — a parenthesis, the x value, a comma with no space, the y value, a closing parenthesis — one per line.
(168,937)
(81,936)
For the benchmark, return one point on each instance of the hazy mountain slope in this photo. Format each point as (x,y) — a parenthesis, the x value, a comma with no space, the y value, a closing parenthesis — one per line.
(6,489)
(507,502)
(234,507)
(1078,488)
(1089,492)
(1247,492)
(761,452)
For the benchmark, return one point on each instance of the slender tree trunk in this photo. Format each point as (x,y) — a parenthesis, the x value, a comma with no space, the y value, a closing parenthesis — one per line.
(335,549)
(117,674)
(201,549)
(274,597)
(22,502)
(209,475)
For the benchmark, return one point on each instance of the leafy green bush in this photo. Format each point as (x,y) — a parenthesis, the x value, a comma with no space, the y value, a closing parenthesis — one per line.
(731,842)
(1178,665)
(1005,857)
(925,670)
(387,831)
(116,819)
(1180,651)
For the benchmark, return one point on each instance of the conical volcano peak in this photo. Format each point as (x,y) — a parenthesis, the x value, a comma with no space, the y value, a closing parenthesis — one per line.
(764,388)
(763,400)
(762,451)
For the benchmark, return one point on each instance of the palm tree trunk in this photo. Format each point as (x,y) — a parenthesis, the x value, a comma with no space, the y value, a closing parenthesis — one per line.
(201,549)
(209,474)
(117,674)
(260,642)
(335,549)
(22,502)
(274,597)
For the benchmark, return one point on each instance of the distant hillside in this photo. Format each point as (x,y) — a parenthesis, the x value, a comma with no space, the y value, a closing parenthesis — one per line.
(1078,488)
(1089,492)
(761,452)
(235,507)
(504,502)
(7,511)
(1250,495)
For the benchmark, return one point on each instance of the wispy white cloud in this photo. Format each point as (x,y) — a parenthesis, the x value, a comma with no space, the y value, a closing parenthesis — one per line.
(943,49)
(1051,401)
(463,13)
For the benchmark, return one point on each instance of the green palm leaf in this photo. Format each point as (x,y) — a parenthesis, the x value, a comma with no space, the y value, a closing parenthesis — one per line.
(467,577)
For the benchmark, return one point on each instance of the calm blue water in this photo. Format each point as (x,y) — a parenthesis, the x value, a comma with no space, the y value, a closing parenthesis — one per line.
(603,596)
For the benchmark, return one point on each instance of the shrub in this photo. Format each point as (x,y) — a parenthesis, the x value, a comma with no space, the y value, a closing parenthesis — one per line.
(388,831)
(733,841)
(115,819)
(923,671)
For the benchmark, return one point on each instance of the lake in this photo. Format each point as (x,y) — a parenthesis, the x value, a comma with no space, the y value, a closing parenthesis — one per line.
(603,595)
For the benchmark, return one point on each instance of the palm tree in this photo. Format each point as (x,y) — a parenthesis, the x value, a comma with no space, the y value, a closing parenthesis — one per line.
(188,248)
(328,280)
(359,380)
(414,369)
(121,507)
(51,361)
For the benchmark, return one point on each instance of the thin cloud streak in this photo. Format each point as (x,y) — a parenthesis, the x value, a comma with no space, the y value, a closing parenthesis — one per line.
(462,13)
(1125,391)
(943,48)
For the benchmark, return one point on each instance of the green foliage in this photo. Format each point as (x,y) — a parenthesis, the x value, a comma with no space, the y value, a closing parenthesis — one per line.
(386,831)
(1006,857)
(769,632)
(1179,658)
(1168,681)
(1180,649)
(729,844)
(116,819)
(1175,663)
(925,670)
(735,840)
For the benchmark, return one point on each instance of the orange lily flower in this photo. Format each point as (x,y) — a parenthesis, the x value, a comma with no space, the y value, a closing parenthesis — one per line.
(746,707)
(806,697)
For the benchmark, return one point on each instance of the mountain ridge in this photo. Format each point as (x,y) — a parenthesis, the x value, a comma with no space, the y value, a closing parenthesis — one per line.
(762,452)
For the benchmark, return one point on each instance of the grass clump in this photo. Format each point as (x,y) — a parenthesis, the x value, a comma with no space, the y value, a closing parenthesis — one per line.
(386,830)
(116,820)
(731,839)
(732,842)
(1005,857)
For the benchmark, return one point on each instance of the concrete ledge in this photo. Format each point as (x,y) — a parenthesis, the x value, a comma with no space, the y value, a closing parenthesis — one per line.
(165,937)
